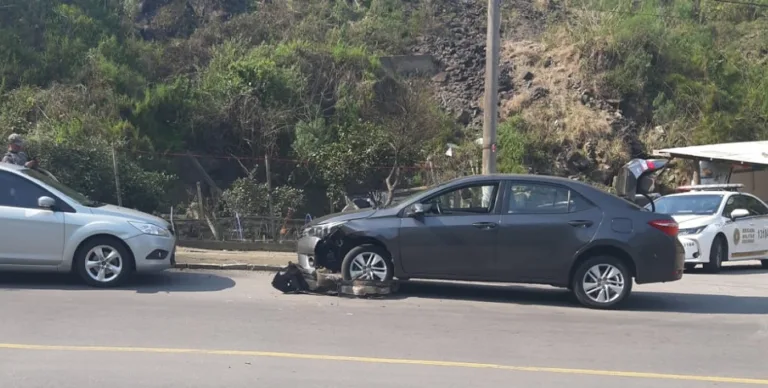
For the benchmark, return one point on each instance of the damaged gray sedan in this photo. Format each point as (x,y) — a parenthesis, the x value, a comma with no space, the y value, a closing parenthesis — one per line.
(503,228)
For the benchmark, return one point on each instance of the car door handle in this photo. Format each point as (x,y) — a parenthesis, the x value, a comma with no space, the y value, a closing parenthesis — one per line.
(485,225)
(580,223)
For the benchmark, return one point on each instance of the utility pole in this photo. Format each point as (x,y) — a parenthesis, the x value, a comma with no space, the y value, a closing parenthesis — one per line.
(117,177)
(490,108)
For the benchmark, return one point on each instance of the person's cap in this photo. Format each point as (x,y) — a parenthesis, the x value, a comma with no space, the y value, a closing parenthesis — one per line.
(15,138)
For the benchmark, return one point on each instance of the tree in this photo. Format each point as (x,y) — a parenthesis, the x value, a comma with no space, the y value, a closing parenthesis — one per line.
(409,124)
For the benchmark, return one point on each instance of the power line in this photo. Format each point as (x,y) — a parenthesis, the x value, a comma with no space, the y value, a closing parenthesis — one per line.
(662,15)
(417,167)
(743,3)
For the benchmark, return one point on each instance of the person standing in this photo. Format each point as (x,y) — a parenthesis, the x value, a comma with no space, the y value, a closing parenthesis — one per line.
(16,154)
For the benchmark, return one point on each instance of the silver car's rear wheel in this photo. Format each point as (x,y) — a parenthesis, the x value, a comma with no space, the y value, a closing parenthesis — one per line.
(103,262)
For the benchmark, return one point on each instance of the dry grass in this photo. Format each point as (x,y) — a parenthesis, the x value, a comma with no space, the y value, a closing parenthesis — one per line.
(558,117)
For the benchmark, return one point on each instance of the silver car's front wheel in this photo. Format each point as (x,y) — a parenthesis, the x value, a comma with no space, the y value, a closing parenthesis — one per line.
(103,262)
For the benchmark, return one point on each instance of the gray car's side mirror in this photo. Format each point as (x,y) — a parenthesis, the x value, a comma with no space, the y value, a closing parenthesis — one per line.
(739,213)
(418,209)
(46,203)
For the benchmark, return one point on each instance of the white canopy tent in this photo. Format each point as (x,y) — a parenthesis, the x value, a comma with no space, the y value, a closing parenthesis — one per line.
(744,162)
(750,152)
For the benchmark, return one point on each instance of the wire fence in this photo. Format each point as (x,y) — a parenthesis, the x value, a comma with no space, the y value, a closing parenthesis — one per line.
(240,229)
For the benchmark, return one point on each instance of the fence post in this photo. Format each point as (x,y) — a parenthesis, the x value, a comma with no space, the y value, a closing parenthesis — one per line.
(200,209)
(271,221)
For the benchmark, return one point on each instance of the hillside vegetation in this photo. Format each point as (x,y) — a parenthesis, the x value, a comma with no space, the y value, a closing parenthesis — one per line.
(616,79)
(290,97)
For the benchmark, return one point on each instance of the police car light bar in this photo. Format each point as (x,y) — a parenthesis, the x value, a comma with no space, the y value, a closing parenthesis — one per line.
(725,186)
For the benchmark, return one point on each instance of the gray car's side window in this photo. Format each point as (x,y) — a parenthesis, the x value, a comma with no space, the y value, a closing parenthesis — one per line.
(466,200)
(19,192)
(534,198)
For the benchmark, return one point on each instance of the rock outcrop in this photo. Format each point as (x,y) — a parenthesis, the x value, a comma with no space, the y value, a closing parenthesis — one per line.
(591,136)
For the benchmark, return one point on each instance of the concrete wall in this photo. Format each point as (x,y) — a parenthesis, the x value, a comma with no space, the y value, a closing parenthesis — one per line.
(405,65)
(288,246)
(755,182)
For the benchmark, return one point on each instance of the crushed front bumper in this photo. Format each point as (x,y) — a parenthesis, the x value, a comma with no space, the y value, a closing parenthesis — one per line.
(306,250)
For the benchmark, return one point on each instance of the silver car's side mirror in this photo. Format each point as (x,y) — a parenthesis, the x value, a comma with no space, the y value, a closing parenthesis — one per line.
(739,213)
(46,203)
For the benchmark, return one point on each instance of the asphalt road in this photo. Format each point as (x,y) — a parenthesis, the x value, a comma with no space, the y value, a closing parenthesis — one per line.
(231,329)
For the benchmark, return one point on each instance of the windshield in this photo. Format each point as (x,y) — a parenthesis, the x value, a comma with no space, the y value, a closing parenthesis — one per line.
(69,192)
(413,196)
(705,204)
(409,198)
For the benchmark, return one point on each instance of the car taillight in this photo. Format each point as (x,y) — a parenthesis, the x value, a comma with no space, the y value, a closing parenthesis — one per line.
(668,227)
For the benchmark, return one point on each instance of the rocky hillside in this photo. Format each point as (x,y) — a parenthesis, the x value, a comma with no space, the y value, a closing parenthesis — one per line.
(587,136)
(291,99)
(458,44)
(583,89)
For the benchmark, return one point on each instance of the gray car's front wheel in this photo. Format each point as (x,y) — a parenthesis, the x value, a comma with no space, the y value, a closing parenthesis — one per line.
(601,282)
(103,262)
(368,262)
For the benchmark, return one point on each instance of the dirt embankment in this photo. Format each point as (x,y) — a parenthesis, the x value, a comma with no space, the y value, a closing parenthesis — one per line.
(541,80)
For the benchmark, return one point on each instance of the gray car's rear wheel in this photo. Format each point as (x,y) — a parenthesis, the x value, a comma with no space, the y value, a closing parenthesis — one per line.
(103,262)
(601,282)
(368,262)
(717,255)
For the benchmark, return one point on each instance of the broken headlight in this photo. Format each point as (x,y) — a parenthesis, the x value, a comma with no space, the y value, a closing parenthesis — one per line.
(322,230)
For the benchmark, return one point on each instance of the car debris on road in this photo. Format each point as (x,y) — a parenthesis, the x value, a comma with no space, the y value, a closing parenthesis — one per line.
(295,280)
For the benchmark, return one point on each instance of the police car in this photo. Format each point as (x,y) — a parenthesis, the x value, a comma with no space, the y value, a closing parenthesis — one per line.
(717,223)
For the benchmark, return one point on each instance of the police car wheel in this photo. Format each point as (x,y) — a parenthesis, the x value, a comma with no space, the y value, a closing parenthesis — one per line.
(103,262)
(601,282)
(717,254)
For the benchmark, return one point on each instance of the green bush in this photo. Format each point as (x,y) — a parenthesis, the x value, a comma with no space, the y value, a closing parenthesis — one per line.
(247,197)
(698,74)
(87,167)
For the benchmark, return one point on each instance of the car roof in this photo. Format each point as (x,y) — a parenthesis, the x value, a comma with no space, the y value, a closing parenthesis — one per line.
(529,177)
(591,192)
(11,167)
(693,193)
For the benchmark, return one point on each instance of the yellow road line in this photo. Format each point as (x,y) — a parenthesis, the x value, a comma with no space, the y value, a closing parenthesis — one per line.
(375,360)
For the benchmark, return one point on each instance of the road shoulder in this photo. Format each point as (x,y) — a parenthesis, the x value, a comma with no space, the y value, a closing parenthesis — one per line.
(193,258)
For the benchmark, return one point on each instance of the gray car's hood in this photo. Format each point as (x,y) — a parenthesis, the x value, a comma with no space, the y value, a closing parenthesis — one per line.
(346,216)
(135,215)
